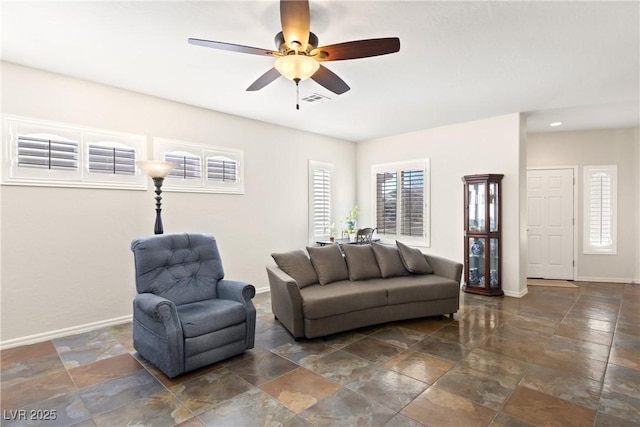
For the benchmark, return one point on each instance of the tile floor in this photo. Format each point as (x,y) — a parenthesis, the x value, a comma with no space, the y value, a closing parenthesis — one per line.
(558,357)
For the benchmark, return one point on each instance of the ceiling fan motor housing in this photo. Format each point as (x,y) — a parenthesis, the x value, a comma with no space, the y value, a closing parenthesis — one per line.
(285,49)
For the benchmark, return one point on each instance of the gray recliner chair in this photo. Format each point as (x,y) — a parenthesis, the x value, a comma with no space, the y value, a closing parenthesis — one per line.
(186,315)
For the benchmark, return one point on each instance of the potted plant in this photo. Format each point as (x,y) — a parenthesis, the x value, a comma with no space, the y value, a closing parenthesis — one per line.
(351,222)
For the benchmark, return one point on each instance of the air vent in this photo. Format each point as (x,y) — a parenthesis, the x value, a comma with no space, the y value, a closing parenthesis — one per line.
(316,98)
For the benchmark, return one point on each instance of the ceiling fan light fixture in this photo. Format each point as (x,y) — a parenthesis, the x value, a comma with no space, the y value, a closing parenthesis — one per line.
(297,67)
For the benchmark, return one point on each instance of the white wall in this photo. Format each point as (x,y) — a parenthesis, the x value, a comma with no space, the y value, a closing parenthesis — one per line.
(65,257)
(599,147)
(492,145)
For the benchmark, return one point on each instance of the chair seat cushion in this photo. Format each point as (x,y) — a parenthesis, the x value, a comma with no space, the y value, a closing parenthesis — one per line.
(203,317)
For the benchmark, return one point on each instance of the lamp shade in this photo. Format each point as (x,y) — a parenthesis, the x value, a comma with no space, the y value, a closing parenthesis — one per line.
(297,67)
(156,168)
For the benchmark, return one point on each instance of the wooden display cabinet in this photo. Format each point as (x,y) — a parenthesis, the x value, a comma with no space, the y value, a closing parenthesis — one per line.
(482,242)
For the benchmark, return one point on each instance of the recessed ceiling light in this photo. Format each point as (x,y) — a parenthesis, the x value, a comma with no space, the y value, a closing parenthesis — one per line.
(554,124)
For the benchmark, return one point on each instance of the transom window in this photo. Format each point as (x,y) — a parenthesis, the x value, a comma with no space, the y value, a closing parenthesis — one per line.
(43,153)
(201,168)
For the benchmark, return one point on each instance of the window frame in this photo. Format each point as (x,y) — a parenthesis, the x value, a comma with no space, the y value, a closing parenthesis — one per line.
(589,247)
(201,184)
(398,168)
(79,177)
(315,165)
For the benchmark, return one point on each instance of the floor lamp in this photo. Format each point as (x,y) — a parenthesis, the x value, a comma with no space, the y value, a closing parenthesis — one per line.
(157,170)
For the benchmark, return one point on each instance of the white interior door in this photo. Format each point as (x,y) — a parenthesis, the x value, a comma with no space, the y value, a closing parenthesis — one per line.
(550,223)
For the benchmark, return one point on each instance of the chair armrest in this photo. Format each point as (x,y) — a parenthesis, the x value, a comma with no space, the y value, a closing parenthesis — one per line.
(243,293)
(159,335)
(236,291)
(156,307)
(445,267)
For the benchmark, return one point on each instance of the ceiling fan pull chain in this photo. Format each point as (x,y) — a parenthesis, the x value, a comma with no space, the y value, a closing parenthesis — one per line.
(297,94)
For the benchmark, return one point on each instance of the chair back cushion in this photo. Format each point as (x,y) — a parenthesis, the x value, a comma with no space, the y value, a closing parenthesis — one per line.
(183,268)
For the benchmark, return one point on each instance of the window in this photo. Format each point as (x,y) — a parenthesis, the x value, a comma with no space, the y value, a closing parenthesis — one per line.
(319,200)
(42,153)
(189,166)
(600,204)
(222,169)
(401,201)
(47,152)
(116,159)
(201,168)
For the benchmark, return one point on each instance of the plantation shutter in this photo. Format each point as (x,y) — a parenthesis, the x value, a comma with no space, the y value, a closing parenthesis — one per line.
(112,160)
(47,152)
(189,166)
(386,202)
(321,202)
(412,196)
(222,169)
(600,210)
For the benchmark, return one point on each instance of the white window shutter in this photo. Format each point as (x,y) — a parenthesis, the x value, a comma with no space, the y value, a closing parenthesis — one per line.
(189,165)
(321,203)
(222,169)
(47,152)
(112,159)
(600,188)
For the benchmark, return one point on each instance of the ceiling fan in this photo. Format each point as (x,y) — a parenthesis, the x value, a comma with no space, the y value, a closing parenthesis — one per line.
(298,55)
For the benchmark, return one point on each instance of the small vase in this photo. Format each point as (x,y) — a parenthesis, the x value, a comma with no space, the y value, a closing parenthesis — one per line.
(352,237)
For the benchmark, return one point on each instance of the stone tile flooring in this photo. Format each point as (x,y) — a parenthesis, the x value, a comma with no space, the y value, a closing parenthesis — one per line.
(557,357)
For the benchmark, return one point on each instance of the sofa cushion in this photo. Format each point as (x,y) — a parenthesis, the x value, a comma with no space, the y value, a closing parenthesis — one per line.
(413,259)
(341,297)
(328,263)
(389,260)
(361,262)
(297,265)
(417,288)
(202,317)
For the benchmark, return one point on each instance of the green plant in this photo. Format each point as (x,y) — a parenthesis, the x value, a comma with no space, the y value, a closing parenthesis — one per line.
(351,221)
(353,214)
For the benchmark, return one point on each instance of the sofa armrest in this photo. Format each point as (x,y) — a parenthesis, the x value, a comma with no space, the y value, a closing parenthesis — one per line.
(286,301)
(445,267)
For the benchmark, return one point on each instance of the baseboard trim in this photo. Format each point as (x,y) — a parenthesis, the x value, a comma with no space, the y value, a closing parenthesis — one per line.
(262,290)
(59,333)
(520,294)
(606,279)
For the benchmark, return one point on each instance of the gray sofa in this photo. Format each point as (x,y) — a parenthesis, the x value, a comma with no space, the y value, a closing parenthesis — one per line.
(339,288)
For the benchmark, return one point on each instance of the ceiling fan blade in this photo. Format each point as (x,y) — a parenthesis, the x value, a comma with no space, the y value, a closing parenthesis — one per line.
(330,80)
(264,80)
(295,19)
(357,49)
(233,47)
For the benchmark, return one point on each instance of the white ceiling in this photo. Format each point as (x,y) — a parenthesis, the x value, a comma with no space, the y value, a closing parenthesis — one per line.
(575,62)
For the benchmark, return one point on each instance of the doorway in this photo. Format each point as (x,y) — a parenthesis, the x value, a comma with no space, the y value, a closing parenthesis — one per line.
(551,223)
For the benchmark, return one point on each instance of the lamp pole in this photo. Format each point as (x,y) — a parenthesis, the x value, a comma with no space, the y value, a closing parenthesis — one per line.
(157,170)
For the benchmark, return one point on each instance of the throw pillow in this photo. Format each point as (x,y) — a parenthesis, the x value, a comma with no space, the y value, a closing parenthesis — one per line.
(413,259)
(361,262)
(328,263)
(297,265)
(389,260)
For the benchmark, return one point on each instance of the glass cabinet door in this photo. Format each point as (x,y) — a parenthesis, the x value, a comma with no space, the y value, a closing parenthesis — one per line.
(477,207)
(493,263)
(493,206)
(477,261)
